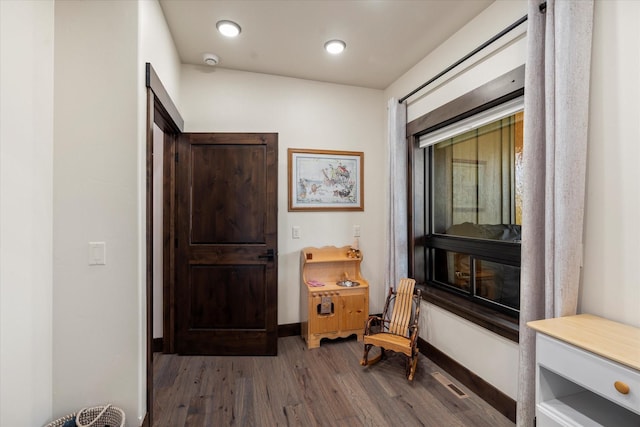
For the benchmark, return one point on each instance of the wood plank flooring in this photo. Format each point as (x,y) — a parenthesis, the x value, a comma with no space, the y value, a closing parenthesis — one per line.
(300,387)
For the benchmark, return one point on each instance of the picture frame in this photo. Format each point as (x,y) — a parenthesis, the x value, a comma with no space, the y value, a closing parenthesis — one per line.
(468,179)
(325,180)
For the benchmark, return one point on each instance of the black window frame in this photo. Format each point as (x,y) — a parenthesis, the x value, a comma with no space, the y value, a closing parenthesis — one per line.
(421,239)
(504,253)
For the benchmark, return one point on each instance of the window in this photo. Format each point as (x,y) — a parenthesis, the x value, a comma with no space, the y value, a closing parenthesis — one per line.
(473,247)
(466,203)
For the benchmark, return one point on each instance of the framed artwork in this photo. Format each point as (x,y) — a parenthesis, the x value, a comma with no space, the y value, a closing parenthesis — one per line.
(468,183)
(323,180)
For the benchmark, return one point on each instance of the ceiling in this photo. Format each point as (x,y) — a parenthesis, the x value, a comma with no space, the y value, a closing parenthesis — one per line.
(384,38)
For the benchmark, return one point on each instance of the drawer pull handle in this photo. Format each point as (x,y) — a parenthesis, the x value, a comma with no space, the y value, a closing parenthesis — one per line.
(621,387)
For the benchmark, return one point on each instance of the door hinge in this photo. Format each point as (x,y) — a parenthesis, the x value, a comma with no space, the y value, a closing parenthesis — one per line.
(176,157)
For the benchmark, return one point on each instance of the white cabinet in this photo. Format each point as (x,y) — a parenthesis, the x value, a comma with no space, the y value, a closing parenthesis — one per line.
(587,372)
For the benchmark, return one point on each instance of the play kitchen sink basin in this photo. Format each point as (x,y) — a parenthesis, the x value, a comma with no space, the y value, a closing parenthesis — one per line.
(347,283)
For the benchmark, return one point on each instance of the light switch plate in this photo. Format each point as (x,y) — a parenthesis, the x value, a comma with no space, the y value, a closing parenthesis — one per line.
(97,253)
(295,232)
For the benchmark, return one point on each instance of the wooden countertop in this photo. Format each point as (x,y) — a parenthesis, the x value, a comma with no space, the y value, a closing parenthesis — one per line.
(332,286)
(612,340)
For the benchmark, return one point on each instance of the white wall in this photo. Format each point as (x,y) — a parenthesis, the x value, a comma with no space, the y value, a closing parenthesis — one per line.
(100,188)
(26,147)
(502,56)
(611,244)
(305,114)
(158,49)
(97,330)
(611,239)
(99,314)
(460,339)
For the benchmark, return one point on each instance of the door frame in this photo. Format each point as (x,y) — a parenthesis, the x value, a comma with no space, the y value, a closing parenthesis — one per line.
(160,111)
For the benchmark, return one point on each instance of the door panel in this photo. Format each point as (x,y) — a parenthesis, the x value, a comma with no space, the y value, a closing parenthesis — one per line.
(216,307)
(226,229)
(221,174)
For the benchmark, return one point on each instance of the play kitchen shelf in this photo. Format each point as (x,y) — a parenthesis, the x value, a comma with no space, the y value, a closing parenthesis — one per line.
(587,372)
(327,309)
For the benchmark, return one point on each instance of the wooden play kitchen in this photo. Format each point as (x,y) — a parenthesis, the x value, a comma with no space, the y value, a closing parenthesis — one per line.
(334,297)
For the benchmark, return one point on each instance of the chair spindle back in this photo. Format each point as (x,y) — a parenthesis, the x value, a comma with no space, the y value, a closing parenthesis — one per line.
(401,316)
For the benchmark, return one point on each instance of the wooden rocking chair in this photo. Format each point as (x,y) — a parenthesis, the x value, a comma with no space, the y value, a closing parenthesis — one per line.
(396,330)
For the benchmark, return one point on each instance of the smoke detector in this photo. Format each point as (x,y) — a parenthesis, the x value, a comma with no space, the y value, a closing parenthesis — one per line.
(210,59)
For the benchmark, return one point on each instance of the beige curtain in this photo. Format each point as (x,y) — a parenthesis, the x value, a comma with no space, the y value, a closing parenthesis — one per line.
(396,255)
(555,146)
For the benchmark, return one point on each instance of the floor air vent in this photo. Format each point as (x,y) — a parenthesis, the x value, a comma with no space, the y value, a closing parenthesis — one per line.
(449,385)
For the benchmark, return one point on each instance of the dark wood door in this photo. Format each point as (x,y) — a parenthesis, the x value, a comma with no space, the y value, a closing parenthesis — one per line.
(226,287)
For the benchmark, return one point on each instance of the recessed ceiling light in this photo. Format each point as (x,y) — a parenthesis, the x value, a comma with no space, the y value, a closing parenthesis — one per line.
(335,46)
(228,28)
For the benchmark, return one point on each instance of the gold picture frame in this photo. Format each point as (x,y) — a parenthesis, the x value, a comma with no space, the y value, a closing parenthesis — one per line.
(325,180)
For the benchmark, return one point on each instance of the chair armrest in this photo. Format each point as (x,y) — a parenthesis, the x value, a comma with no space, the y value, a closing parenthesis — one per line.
(367,327)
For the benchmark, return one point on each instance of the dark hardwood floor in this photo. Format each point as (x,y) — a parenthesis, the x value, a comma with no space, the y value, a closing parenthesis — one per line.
(320,387)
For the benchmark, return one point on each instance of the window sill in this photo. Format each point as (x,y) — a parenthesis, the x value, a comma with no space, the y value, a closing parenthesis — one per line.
(484,317)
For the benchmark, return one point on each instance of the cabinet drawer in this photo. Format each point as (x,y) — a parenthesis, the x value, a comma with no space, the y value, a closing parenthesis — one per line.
(590,371)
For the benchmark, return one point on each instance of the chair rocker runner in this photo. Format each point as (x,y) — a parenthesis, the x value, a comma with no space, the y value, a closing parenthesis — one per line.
(397,328)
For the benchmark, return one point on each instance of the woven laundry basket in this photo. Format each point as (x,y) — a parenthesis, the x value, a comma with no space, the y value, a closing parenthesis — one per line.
(60,421)
(97,416)
(100,416)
